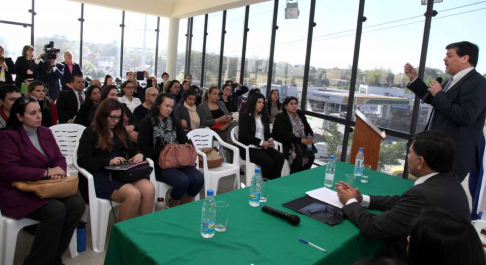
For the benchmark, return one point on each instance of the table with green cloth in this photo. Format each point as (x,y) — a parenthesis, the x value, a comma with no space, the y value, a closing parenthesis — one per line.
(252,237)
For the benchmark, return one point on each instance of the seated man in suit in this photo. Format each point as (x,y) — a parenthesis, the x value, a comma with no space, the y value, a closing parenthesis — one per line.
(430,158)
(70,69)
(69,101)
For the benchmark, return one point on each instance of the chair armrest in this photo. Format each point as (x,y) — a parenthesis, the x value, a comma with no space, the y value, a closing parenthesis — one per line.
(152,174)
(205,160)
(278,146)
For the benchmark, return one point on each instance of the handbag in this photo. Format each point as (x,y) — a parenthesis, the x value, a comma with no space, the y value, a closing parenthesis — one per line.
(222,126)
(128,172)
(177,156)
(213,158)
(50,188)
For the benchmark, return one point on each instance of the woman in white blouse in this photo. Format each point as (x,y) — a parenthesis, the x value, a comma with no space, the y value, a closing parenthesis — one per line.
(127,97)
(255,132)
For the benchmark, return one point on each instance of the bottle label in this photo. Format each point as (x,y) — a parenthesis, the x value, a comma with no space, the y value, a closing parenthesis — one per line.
(208,227)
(255,196)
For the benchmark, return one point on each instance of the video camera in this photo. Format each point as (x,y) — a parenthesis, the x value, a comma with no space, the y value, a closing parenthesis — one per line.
(50,52)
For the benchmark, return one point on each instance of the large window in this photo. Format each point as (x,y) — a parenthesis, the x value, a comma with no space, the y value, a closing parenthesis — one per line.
(290,51)
(101,48)
(63,28)
(163,41)
(235,20)
(196,49)
(181,50)
(213,49)
(328,138)
(13,46)
(258,45)
(18,10)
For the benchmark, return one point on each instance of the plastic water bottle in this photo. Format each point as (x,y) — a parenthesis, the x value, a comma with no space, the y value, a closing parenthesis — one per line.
(208,220)
(160,204)
(330,170)
(81,236)
(359,163)
(221,153)
(255,189)
(309,147)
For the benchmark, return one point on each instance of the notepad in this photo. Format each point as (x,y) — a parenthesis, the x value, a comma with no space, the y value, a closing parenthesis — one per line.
(326,195)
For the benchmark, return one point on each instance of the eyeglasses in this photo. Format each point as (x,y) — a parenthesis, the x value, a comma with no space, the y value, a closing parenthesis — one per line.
(27,99)
(115,118)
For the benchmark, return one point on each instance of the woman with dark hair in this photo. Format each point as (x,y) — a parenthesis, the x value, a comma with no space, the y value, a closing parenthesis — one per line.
(173,89)
(445,238)
(292,129)
(187,113)
(185,86)
(7,68)
(92,98)
(244,103)
(157,130)
(29,152)
(273,104)
(198,95)
(255,133)
(214,111)
(49,109)
(226,97)
(108,80)
(152,82)
(106,143)
(127,97)
(25,66)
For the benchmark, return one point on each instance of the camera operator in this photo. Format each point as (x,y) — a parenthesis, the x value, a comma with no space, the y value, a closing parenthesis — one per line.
(49,70)
(7,68)
(70,69)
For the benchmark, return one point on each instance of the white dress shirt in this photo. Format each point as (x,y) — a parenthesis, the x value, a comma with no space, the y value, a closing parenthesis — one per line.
(130,104)
(259,132)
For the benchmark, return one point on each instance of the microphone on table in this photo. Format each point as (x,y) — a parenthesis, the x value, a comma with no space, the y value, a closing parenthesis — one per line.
(291,218)
(439,79)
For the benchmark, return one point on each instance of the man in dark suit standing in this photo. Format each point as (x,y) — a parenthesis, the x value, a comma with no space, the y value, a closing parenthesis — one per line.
(70,69)
(69,101)
(459,105)
(50,72)
(430,158)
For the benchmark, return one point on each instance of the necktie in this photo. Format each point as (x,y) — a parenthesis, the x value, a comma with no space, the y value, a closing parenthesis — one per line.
(448,84)
(81,100)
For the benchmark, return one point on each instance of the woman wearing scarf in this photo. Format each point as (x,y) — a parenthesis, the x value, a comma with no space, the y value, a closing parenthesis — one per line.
(187,113)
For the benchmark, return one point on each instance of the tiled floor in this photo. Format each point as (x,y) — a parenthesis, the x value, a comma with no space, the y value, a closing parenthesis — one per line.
(89,257)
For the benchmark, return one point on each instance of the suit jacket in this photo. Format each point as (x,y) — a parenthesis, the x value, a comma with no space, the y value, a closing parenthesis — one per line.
(52,78)
(21,161)
(393,226)
(11,70)
(247,130)
(282,131)
(67,105)
(206,112)
(21,68)
(181,113)
(82,117)
(460,113)
(67,76)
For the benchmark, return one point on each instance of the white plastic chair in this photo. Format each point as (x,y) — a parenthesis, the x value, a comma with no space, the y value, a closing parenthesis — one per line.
(249,166)
(67,138)
(286,166)
(212,175)
(99,209)
(9,229)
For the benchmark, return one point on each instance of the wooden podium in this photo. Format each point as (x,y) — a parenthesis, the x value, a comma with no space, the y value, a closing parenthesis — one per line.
(368,136)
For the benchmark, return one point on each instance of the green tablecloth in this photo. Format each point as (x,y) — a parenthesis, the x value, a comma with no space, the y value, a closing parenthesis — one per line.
(253,237)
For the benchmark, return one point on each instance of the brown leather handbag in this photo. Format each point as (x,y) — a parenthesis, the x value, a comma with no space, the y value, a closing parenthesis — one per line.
(50,188)
(177,156)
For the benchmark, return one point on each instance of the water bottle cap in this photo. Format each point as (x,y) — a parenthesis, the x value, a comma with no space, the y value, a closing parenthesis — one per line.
(220,146)
(332,157)
(257,170)
(160,199)
(210,192)
(361,149)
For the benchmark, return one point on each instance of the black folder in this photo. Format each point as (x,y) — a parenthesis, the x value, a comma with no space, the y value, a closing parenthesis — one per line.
(316,209)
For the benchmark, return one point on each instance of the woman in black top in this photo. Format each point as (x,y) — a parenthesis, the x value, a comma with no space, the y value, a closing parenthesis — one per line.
(273,104)
(226,98)
(173,89)
(157,130)
(255,132)
(92,98)
(292,129)
(25,66)
(107,143)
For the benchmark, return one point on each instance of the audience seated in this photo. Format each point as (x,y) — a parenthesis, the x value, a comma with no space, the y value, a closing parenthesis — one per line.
(166,86)
(430,158)
(237,91)
(226,98)
(127,97)
(188,78)
(292,129)
(255,132)
(185,86)
(48,108)
(106,143)
(214,111)
(142,110)
(108,81)
(187,112)
(29,152)
(25,67)
(174,88)
(95,82)
(70,70)
(152,82)
(8,95)
(165,78)
(7,68)
(445,238)
(274,106)
(50,72)
(69,101)
(157,130)
(198,95)
(244,103)
(93,95)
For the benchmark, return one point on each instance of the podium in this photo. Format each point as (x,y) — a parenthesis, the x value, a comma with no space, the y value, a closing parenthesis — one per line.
(368,136)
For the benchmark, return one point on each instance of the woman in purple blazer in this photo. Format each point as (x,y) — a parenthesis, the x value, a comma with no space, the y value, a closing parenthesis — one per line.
(29,152)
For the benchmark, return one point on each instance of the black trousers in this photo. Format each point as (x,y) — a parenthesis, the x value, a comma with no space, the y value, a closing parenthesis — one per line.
(296,165)
(270,160)
(58,219)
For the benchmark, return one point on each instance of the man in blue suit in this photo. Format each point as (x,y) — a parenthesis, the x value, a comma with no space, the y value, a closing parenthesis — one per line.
(50,72)
(459,103)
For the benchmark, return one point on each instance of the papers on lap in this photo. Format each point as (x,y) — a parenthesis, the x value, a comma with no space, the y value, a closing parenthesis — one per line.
(126,166)
(326,195)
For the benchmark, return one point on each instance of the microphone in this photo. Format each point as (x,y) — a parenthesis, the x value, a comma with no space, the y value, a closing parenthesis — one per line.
(291,218)
(439,79)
